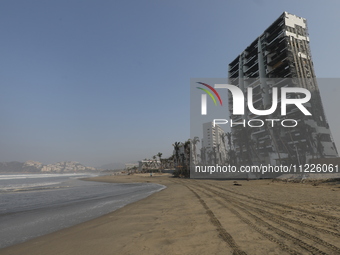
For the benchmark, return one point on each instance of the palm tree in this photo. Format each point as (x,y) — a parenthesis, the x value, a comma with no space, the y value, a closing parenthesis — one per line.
(225,148)
(238,137)
(194,141)
(228,134)
(176,148)
(215,155)
(160,159)
(218,153)
(187,154)
(203,155)
(243,139)
(230,152)
(210,157)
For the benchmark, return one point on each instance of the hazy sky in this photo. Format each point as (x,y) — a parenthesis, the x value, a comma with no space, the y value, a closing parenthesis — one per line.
(108,81)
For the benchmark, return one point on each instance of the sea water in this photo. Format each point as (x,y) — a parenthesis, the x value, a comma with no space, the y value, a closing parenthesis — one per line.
(32,205)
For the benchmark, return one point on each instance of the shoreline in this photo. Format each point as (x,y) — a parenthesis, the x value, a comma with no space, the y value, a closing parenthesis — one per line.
(33,209)
(196,217)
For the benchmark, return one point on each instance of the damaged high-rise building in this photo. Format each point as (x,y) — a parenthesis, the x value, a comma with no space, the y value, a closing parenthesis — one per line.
(280,57)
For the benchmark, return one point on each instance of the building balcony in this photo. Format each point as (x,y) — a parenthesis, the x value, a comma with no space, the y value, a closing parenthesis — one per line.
(233,73)
(254,74)
(281,57)
(281,82)
(270,40)
(234,67)
(234,80)
(254,83)
(250,59)
(234,62)
(252,67)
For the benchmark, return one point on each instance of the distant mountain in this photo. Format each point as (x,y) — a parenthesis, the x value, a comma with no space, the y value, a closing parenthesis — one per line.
(31,166)
(16,167)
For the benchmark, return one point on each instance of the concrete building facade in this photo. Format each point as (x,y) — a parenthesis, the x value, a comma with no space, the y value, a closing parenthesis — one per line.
(214,144)
(280,57)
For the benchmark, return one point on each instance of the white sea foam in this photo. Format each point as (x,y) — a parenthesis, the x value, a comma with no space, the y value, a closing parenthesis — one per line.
(30,176)
(22,187)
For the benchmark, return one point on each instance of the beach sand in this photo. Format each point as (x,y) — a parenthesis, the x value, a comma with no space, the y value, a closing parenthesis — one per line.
(207,217)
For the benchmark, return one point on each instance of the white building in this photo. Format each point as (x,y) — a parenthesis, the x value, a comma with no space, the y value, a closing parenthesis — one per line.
(213,144)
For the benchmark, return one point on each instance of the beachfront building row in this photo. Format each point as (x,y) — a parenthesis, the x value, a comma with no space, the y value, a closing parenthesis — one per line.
(280,57)
(149,165)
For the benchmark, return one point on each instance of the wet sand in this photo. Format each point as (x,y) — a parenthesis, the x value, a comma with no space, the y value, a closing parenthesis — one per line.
(207,217)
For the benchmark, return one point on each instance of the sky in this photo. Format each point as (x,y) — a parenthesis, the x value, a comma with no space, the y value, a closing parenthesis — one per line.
(102,82)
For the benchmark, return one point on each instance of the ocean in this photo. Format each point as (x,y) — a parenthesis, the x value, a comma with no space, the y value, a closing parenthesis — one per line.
(32,205)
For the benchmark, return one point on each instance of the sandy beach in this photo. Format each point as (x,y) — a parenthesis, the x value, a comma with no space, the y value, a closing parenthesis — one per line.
(207,217)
